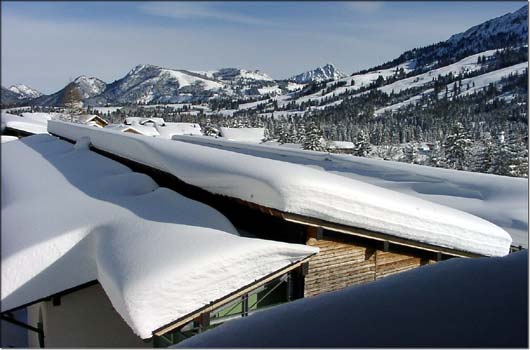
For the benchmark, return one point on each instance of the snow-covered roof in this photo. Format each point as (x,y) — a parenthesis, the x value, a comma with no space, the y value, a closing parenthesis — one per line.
(30,125)
(145,130)
(7,138)
(501,200)
(341,144)
(70,216)
(87,118)
(254,135)
(458,303)
(170,129)
(293,188)
(143,121)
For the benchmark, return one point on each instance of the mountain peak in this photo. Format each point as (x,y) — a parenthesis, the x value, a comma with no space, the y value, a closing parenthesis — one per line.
(24,91)
(319,74)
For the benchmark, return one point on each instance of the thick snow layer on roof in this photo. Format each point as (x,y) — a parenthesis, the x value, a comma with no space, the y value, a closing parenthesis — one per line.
(170,129)
(302,190)
(143,121)
(255,135)
(31,125)
(501,200)
(7,138)
(146,130)
(341,144)
(455,303)
(70,216)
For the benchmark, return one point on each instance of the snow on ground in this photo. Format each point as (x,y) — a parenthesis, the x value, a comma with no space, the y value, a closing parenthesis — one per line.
(253,135)
(31,125)
(105,109)
(157,254)
(467,64)
(480,82)
(501,200)
(275,89)
(484,80)
(298,189)
(28,108)
(458,303)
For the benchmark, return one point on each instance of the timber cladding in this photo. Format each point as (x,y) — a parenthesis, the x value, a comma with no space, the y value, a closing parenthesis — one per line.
(343,261)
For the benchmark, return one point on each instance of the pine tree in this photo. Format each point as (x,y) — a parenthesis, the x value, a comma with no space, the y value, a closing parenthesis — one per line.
(283,134)
(457,147)
(362,145)
(410,153)
(313,138)
(483,158)
(437,157)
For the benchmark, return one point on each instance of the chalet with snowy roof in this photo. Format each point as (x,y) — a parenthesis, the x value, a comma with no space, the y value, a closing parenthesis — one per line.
(92,120)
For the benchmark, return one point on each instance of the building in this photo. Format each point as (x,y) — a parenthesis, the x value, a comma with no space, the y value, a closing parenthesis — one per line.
(117,264)
(92,120)
(361,232)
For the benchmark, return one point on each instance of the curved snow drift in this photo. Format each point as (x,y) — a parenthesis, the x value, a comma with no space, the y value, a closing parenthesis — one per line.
(300,190)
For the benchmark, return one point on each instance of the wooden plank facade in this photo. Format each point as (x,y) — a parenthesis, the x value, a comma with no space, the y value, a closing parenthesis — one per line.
(344,261)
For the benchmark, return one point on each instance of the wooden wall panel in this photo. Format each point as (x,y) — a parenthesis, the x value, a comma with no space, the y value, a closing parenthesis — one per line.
(342,263)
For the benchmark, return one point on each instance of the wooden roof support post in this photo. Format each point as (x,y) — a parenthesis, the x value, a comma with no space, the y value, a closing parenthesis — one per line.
(315,232)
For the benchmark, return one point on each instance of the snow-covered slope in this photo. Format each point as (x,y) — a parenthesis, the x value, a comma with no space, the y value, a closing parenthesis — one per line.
(305,191)
(458,303)
(71,216)
(319,74)
(468,85)
(25,91)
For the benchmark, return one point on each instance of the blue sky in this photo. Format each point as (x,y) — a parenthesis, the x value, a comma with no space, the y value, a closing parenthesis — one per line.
(46,44)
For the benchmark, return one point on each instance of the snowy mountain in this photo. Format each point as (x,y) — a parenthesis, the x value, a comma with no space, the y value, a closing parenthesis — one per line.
(153,84)
(510,30)
(9,97)
(24,91)
(320,74)
(90,87)
(236,74)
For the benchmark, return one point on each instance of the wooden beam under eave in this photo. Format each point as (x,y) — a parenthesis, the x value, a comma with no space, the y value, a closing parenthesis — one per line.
(374,235)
